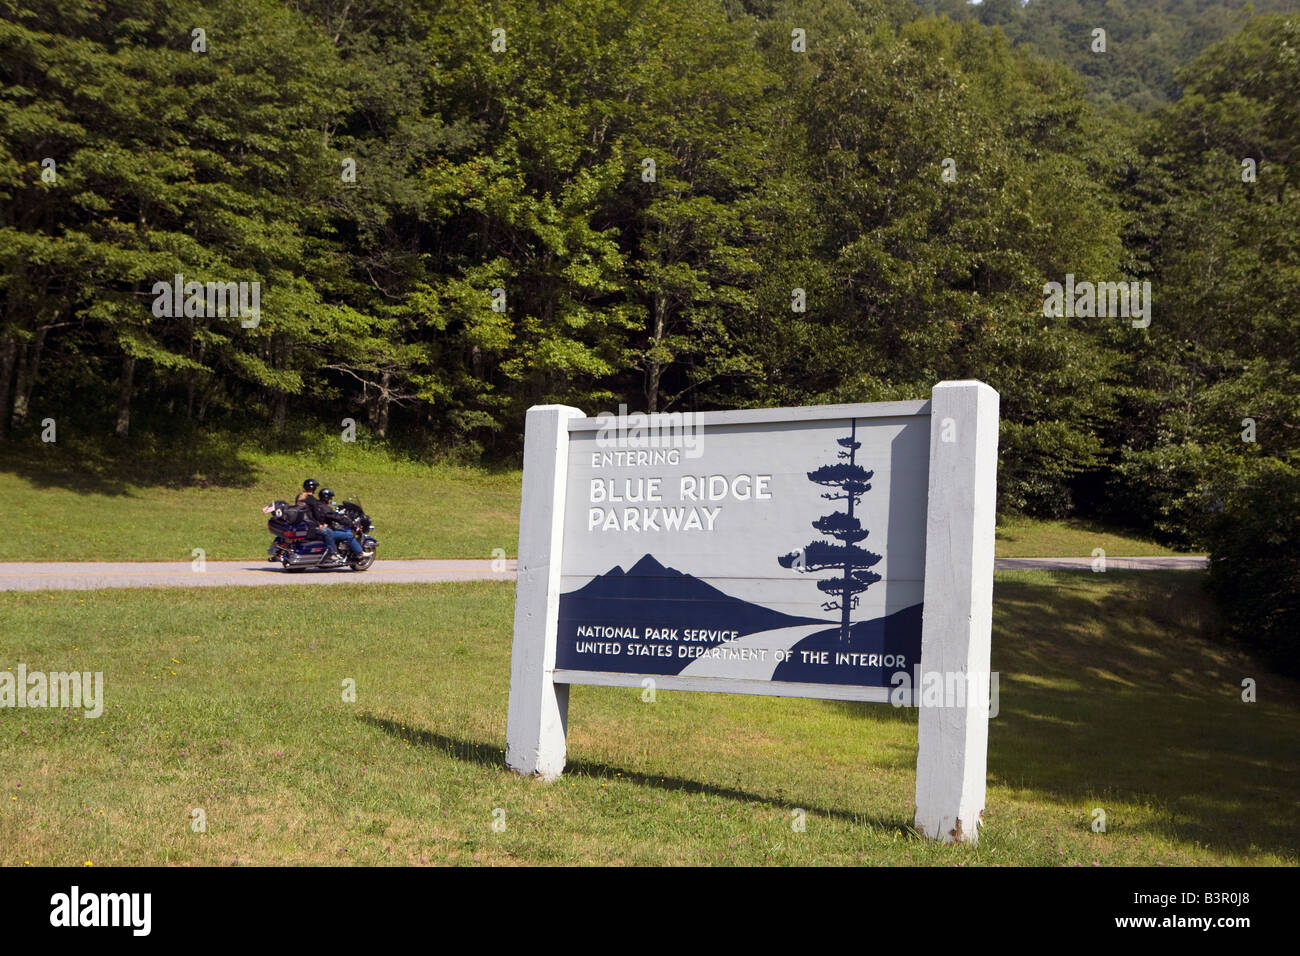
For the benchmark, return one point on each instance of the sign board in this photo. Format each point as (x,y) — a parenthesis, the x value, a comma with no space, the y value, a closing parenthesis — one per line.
(838,552)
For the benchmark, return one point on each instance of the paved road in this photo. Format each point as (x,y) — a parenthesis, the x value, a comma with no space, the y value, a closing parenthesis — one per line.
(1179,562)
(88,575)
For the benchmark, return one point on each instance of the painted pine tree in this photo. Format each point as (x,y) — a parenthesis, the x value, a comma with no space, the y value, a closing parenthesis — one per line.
(850,482)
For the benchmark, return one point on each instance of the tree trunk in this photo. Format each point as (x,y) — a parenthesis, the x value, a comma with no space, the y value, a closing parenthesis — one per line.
(123,427)
(19,413)
(279,402)
(655,369)
(382,404)
(8,355)
(371,406)
(190,379)
(205,398)
(29,364)
(280,407)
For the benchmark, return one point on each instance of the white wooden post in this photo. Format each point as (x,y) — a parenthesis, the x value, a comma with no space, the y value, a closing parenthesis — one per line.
(539,708)
(952,744)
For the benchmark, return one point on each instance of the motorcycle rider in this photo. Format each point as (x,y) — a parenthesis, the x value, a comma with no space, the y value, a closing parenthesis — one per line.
(321,510)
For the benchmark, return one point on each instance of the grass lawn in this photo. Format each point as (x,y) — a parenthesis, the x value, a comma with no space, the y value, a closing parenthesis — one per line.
(74,509)
(229,700)
(1019,537)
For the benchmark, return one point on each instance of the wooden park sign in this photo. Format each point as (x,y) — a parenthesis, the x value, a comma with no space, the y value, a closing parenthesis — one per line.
(838,552)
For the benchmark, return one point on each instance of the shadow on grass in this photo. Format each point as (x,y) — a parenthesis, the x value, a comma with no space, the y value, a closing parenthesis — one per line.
(489,755)
(871,710)
(111,467)
(172,455)
(1114,686)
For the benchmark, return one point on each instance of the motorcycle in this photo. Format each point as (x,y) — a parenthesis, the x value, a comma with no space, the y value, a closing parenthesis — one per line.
(297,546)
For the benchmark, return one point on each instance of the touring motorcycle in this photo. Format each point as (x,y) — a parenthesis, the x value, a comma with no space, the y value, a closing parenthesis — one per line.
(297,545)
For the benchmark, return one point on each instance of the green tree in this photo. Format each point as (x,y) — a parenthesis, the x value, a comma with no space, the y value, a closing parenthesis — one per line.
(1216,384)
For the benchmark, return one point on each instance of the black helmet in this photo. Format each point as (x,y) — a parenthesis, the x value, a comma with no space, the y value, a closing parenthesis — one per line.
(326,495)
(310,485)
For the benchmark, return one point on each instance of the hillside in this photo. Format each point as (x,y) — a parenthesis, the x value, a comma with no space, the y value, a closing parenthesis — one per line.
(1147,42)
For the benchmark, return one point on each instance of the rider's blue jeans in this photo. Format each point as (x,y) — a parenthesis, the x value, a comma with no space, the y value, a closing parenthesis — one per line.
(333,537)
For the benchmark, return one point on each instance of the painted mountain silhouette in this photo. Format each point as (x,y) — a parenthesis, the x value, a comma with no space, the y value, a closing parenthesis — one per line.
(651,596)
(897,634)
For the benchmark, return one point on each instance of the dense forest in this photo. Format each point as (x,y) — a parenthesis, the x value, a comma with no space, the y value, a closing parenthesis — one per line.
(454,210)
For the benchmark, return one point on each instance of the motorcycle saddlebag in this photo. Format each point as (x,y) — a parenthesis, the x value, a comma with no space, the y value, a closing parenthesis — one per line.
(287,521)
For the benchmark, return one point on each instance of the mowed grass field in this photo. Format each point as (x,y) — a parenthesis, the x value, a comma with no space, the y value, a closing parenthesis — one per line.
(1021,537)
(162,504)
(230,701)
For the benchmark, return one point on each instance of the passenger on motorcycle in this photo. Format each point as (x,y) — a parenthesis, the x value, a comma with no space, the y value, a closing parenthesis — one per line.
(308,486)
(307,503)
(321,511)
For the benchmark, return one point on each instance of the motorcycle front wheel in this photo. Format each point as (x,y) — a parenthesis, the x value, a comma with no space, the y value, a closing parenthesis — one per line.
(362,561)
